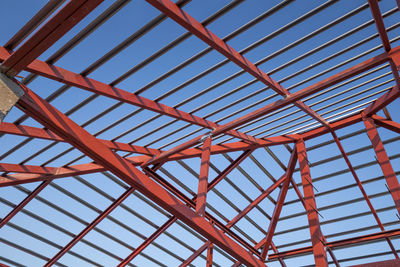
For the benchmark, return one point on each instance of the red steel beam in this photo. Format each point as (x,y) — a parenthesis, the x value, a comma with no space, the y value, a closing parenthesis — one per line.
(60,124)
(388,124)
(74,79)
(279,204)
(384,162)
(34,132)
(210,249)
(65,19)
(312,215)
(29,131)
(195,27)
(148,241)
(339,243)
(88,228)
(31,173)
(360,186)
(23,203)
(87,168)
(377,15)
(203,178)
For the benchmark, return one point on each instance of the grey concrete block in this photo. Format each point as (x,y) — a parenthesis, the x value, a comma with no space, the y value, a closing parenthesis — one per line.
(10,93)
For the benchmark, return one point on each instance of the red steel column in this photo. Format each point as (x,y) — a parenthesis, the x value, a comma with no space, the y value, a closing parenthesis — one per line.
(203,178)
(309,197)
(384,162)
(279,204)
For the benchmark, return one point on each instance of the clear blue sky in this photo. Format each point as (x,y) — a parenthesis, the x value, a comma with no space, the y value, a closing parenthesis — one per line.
(127,21)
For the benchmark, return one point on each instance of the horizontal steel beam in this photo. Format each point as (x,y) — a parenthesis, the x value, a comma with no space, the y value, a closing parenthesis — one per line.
(44,173)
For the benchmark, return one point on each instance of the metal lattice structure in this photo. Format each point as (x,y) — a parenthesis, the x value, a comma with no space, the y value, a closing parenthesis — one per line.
(288,157)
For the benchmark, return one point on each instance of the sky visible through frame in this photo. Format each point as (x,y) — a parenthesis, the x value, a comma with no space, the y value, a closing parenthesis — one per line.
(128,20)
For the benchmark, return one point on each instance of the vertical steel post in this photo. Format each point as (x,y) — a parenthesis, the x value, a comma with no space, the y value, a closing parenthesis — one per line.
(203,178)
(210,249)
(309,197)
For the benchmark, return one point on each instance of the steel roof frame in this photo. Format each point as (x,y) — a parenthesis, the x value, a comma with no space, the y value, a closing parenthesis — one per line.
(193,212)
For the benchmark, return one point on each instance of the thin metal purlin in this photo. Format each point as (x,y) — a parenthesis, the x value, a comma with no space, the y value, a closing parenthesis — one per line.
(349,110)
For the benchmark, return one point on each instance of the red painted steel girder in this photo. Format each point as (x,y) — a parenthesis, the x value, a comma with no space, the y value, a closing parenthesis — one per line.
(65,19)
(87,168)
(376,13)
(151,238)
(279,204)
(28,131)
(60,124)
(73,79)
(203,178)
(195,27)
(312,215)
(384,162)
(337,244)
(89,227)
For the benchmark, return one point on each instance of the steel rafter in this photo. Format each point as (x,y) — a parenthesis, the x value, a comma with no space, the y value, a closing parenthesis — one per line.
(181,17)
(77,136)
(65,19)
